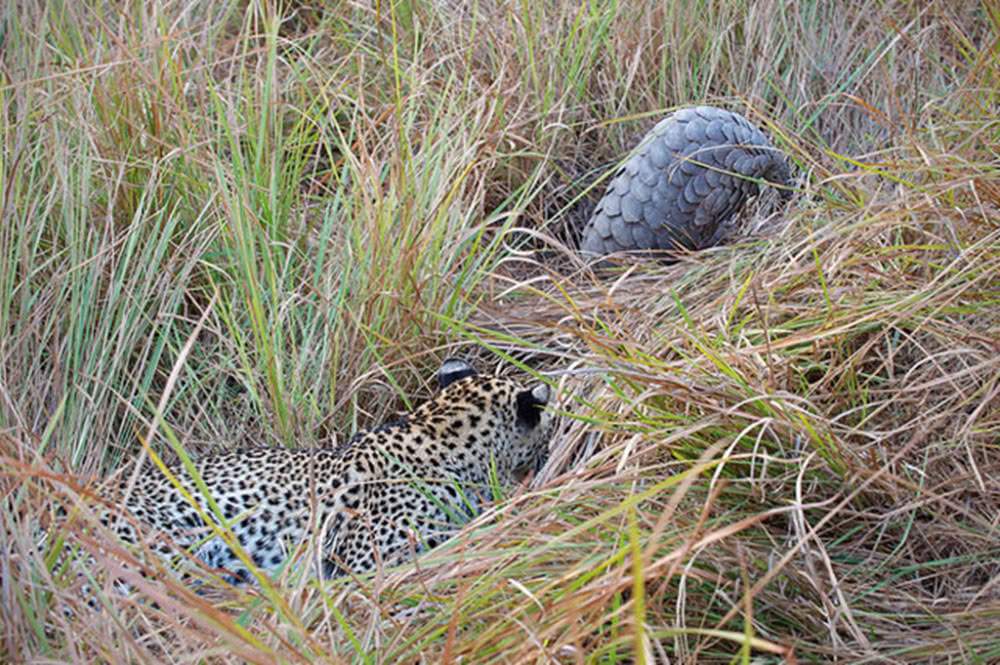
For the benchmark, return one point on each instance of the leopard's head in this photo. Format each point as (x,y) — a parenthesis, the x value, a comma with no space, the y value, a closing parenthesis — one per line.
(495,417)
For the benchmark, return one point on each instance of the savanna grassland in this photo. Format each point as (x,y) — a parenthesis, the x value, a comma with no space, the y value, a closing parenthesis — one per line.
(229,223)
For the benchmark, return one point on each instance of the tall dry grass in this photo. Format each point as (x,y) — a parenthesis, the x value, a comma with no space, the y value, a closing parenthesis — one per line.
(231,223)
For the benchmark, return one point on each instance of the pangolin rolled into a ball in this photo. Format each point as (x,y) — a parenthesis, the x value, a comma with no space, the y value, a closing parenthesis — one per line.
(690,175)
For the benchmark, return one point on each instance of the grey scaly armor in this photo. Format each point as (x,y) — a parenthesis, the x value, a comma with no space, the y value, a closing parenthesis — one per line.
(688,177)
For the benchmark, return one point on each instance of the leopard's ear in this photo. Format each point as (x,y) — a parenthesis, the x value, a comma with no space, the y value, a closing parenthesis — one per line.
(530,404)
(452,370)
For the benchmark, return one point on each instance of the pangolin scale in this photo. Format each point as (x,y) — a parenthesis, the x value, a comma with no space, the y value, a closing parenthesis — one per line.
(687,178)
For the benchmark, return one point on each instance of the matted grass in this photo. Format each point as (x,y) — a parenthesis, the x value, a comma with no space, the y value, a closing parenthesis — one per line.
(230,223)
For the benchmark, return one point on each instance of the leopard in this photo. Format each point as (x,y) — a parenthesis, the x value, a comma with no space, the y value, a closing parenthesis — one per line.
(378,500)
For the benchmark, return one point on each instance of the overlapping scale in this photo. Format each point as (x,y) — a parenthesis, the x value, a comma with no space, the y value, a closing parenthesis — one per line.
(693,172)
